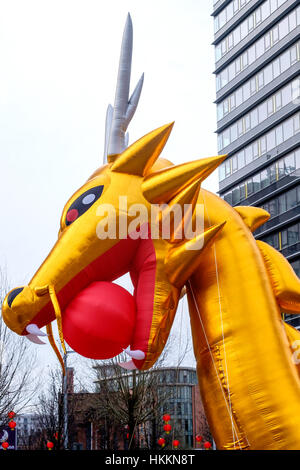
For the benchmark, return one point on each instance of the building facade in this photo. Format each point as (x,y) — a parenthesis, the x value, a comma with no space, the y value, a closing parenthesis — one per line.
(257,54)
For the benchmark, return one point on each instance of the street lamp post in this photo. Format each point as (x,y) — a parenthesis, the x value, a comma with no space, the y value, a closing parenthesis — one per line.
(65,393)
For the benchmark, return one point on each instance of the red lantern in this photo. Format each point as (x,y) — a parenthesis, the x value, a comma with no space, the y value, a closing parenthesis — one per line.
(11,414)
(50,445)
(5,445)
(167,428)
(199,438)
(12,425)
(207,445)
(175,443)
(166,418)
(161,442)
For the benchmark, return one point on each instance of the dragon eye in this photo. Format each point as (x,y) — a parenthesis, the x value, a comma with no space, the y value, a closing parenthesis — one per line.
(83,203)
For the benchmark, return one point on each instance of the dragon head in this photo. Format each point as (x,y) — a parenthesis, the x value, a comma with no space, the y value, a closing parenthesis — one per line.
(109,227)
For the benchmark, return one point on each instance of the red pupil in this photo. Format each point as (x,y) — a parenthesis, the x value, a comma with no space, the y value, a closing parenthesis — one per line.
(72,215)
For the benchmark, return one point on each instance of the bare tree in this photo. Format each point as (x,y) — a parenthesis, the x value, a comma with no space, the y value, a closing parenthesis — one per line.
(17,363)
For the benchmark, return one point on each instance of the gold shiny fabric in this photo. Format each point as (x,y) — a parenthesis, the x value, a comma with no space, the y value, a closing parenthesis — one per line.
(237,289)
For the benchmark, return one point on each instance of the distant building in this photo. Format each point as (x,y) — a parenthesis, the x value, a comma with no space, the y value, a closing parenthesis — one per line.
(257,53)
(183,403)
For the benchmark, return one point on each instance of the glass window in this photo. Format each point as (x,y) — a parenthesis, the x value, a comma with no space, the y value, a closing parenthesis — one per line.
(221,172)
(262,111)
(238,65)
(293,54)
(227,167)
(273,5)
(233,132)
(286,95)
(230,41)
(242,191)
(285,61)
(291,199)
(273,172)
(287,129)
(253,85)
(296,123)
(256,182)
(251,54)
(238,97)
(293,234)
(254,118)
(265,179)
(273,208)
(245,60)
(248,154)
(241,159)
(283,27)
(271,140)
(265,10)
(246,91)
(275,34)
(236,196)
(236,35)
(282,204)
(251,22)
(232,102)
(234,163)
(289,163)
(259,47)
(249,187)
(260,80)
(226,137)
(244,29)
(255,149)
(268,74)
(258,16)
(278,100)
(231,71)
(268,40)
(240,127)
(263,145)
(228,198)
(279,135)
(247,122)
(276,68)
(270,106)
(292,20)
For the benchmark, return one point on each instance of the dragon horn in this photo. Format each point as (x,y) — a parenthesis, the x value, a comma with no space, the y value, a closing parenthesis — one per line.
(140,156)
(124,108)
(184,259)
(163,185)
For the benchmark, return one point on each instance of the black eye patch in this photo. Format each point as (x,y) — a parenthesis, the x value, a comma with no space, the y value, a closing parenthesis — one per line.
(83,203)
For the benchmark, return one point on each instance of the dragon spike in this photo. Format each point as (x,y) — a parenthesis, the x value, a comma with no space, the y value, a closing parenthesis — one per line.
(124,108)
(186,200)
(183,260)
(140,156)
(253,217)
(163,185)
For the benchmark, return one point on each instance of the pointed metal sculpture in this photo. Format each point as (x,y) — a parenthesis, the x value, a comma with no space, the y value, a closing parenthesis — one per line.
(119,116)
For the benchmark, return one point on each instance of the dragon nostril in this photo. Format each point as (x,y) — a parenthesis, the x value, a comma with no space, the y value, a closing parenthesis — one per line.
(13,294)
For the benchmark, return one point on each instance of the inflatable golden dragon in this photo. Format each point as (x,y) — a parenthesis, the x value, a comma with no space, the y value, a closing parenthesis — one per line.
(237,287)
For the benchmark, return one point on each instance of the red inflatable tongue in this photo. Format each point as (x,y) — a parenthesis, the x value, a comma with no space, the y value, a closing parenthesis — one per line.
(99,322)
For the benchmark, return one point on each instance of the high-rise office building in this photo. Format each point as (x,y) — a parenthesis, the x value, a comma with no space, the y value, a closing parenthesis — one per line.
(257,49)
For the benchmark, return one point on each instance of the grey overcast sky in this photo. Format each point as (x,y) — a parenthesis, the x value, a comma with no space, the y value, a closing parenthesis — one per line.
(59,61)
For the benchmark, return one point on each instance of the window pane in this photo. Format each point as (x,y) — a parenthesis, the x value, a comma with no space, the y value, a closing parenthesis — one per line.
(291,199)
(254,118)
(289,163)
(246,91)
(288,129)
(265,180)
(241,159)
(256,182)
(262,111)
(271,140)
(282,204)
(279,135)
(251,54)
(248,154)
(268,74)
(276,68)
(285,61)
(283,27)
